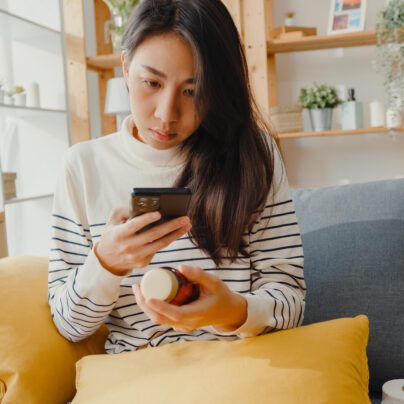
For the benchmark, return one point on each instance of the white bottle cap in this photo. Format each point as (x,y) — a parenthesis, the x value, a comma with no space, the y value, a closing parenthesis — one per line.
(159,283)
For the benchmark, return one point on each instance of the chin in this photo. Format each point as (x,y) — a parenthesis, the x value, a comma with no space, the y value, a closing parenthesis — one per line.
(161,145)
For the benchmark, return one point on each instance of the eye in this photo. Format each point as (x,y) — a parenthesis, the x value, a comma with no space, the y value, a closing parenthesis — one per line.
(190,92)
(151,83)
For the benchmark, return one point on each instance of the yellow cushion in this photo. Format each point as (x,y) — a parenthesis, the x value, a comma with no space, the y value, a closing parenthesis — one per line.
(37,365)
(320,363)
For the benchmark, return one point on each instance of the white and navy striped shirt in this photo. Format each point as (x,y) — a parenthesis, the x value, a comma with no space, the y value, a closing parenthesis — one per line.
(98,176)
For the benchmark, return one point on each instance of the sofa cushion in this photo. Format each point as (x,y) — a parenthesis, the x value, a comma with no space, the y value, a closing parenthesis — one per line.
(324,362)
(37,364)
(353,240)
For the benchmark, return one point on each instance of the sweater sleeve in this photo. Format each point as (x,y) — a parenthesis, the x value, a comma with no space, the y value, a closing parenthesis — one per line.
(276,300)
(81,293)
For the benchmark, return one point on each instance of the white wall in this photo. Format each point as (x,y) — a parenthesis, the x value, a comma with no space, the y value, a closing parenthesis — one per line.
(315,162)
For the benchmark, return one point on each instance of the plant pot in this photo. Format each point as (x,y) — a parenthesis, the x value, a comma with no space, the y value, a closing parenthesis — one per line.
(290,21)
(19,99)
(320,119)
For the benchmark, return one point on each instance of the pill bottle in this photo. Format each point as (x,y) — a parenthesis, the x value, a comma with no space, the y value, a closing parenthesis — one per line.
(168,284)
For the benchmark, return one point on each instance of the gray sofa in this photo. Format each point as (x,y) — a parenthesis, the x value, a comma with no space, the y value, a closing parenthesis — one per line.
(353,239)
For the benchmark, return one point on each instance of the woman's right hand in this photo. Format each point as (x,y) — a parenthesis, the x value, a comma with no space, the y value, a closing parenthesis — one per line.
(120,249)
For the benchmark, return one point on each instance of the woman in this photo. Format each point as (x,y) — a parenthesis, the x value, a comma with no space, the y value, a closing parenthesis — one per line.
(193,123)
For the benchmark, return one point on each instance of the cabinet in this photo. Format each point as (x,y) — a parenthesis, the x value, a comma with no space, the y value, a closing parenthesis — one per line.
(32,139)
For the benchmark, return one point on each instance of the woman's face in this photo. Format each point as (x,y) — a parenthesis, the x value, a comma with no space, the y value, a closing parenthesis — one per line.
(160,78)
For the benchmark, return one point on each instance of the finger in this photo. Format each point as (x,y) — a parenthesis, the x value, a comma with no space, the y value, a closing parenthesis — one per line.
(188,316)
(164,229)
(137,223)
(151,248)
(155,317)
(118,216)
(197,275)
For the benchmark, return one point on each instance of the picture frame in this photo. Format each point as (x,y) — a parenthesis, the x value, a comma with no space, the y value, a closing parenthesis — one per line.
(346,16)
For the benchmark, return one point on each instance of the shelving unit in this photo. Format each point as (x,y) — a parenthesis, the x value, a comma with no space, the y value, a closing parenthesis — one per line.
(254,19)
(32,140)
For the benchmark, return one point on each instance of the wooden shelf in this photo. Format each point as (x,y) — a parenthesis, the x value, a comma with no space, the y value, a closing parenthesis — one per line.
(322,42)
(295,135)
(23,20)
(25,198)
(25,108)
(110,61)
(101,62)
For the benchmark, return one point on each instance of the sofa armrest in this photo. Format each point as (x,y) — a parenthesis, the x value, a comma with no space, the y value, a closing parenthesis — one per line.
(37,363)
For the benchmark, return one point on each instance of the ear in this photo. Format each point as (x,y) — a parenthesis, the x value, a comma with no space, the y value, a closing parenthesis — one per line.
(125,68)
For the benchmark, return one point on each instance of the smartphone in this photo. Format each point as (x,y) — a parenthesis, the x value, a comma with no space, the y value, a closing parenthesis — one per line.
(170,202)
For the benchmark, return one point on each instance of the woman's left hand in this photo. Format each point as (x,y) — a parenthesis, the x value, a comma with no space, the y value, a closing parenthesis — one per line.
(217,305)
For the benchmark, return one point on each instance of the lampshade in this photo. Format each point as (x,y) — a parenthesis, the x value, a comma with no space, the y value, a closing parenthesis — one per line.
(117,98)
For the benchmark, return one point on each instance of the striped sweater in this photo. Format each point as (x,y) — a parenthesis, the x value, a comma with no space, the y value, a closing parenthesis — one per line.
(98,176)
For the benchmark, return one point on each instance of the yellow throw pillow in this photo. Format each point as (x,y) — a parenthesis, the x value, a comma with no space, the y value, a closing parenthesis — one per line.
(37,365)
(319,363)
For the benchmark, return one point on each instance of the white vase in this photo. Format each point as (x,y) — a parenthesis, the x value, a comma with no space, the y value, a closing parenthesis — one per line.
(377,114)
(393,118)
(33,99)
(8,100)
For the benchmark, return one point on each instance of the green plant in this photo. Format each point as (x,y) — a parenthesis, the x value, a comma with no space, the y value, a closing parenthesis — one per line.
(120,12)
(389,60)
(319,96)
(15,90)
(18,89)
(290,14)
(122,6)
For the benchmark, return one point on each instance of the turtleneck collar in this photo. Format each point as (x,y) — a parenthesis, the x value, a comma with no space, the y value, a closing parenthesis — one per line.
(145,154)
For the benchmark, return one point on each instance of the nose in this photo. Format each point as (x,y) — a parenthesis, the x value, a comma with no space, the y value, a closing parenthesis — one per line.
(168,108)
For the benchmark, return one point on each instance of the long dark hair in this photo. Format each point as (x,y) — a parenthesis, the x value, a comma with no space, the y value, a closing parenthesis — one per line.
(229,164)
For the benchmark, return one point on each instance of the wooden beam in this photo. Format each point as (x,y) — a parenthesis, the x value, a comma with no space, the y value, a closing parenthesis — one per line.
(102,14)
(76,69)
(255,13)
(106,61)
(3,236)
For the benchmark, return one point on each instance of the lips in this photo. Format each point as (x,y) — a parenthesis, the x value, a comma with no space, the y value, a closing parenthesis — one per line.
(162,136)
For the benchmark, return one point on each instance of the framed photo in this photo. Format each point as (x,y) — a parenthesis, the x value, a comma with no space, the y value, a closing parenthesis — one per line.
(347,16)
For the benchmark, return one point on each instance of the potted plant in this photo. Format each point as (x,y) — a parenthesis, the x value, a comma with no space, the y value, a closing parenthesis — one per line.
(120,11)
(290,19)
(19,96)
(389,59)
(320,99)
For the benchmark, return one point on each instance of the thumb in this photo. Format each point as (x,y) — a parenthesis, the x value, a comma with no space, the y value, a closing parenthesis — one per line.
(197,275)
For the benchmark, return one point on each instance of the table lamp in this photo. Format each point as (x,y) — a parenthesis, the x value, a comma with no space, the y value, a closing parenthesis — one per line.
(117,99)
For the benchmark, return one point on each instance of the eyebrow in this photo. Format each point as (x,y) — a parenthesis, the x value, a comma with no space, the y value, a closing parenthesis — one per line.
(161,74)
